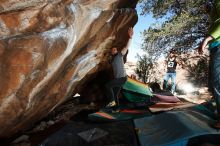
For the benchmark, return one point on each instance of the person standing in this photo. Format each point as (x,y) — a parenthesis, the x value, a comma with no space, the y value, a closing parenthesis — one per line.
(120,77)
(171,64)
(213,40)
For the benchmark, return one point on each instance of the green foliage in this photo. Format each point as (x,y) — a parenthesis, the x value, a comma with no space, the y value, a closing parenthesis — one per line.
(159,8)
(144,65)
(198,72)
(183,23)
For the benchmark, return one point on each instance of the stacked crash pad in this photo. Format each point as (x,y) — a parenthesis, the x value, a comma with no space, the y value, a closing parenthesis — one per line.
(140,95)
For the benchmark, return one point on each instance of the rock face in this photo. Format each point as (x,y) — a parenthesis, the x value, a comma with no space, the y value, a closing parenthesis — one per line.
(49,49)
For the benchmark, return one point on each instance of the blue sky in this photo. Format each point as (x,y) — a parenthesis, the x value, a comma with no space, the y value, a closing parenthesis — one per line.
(143,23)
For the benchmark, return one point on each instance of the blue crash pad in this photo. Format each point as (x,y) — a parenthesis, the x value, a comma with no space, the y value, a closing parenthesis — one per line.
(173,128)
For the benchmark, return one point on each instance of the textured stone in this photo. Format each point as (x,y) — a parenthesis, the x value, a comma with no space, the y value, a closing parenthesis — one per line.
(50,49)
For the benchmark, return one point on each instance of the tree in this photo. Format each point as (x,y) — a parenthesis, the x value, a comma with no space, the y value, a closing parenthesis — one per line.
(144,66)
(198,69)
(183,24)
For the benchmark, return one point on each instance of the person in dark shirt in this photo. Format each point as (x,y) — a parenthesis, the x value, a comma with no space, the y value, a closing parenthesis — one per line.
(120,77)
(171,64)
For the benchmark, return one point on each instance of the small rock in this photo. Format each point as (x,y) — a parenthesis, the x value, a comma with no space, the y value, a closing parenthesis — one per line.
(50,123)
(21,144)
(22,138)
(41,126)
(92,104)
(76,95)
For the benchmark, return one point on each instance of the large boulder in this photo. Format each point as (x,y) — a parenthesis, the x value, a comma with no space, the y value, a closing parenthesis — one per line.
(49,49)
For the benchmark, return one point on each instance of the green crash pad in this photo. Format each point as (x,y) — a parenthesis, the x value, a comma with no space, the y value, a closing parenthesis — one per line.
(136,91)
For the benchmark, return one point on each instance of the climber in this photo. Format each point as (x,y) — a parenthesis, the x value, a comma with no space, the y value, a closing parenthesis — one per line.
(113,87)
(213,39)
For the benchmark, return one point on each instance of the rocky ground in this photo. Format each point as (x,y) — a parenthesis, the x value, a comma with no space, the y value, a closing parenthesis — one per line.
(53,122)
(198,97)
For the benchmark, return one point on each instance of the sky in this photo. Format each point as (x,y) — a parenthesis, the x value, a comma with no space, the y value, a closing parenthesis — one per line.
(143,23)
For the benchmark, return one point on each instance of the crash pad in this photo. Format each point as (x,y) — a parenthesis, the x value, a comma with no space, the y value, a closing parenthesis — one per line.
(161,106)
(136,91)
(91,134)
(165,98)
(173,128)
(206,108)
(122,114)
